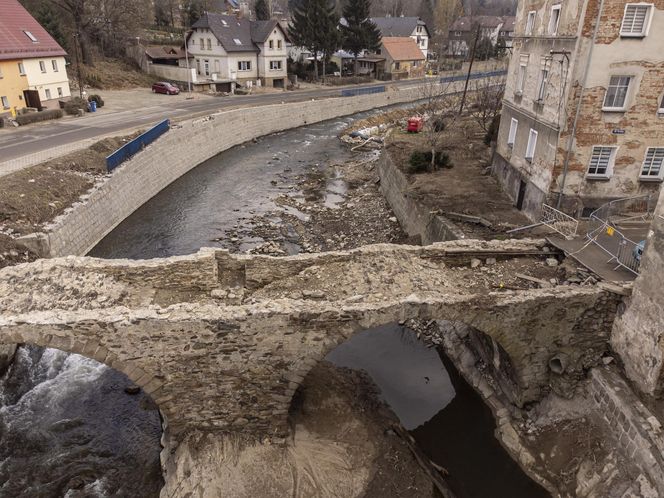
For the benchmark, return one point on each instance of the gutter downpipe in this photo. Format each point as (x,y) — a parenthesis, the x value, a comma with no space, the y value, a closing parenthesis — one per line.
(570,141)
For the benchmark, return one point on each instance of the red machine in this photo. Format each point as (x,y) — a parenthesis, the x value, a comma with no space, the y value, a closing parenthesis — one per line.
(415,125)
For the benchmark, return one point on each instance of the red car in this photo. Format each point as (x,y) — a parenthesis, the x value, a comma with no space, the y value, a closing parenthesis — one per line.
(165,87)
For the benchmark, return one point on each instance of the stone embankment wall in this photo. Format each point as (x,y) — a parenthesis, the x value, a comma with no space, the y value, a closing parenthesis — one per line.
(638,335)
(415,218)
(638,434)
(182,149)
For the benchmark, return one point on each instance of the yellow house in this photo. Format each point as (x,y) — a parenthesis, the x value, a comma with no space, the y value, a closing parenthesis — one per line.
(12,85)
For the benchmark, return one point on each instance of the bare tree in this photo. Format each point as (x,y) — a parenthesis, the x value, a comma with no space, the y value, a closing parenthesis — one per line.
(438,112)
(486,100)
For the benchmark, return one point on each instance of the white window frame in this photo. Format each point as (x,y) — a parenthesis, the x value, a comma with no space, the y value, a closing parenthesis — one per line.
(276,63)
(5,102)
(532,145)
(60,93)
(610,108)
(553,30)
(646,21)
(609,167)
(658,153)
(54,65)
(542,84)
(32,37)
(511,136)
(522,74)
(530,22)
(42,66)
(244,65)
(1,73)
(47,93)
(209,43)
(660,110)
(21,69)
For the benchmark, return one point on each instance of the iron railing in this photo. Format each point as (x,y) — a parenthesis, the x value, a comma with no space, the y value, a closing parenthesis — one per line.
(608,225)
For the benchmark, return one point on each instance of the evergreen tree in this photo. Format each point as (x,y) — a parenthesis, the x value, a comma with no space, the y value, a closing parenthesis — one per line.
(262,10)
(49,19)
(314,26)
(194,10)
(359,32)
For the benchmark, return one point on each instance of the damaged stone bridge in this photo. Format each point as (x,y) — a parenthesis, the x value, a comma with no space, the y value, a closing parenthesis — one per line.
(221,341)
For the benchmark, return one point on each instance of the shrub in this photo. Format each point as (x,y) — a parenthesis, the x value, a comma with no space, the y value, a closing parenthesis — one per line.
(74,105)
(421,161)
(96,98)
(35,117)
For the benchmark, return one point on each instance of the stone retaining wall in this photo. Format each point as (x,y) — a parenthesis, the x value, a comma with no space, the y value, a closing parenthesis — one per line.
(637,432)
(414,217)
(182,149)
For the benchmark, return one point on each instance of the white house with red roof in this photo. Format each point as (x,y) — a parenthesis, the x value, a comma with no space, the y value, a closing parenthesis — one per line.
(32,64)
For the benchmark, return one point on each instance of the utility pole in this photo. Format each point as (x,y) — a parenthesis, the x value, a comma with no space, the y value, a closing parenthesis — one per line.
(470,67)
(78,64)
(186,57)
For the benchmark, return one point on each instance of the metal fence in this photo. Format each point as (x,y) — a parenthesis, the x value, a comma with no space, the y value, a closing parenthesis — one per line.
(473,76)
(614,226)
(556,220)
(136,145)
(354,92)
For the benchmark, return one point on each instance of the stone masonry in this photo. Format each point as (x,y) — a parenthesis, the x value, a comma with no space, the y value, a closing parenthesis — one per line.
(221,342)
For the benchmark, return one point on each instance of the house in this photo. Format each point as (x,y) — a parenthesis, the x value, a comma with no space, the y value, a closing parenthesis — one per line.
(463,31)
(32,64)
(403,58)
(583,113)
(400,27)
(506,32)
(166,55)
(230,49)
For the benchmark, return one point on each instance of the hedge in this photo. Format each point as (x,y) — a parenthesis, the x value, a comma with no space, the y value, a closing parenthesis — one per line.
(36,117)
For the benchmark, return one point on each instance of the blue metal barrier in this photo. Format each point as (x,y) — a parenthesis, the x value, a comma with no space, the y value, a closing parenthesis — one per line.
(136,145)
(354,92)
(473,76)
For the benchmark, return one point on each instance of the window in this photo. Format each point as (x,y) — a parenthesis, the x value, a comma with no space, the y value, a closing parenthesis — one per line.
(237,41)
(541,88)
(521,75)
(59,91)
(652,164)
(202,44)
(21,69)
(279,44)
(42,66)
(54,65)
(601,161)
(659,111)
(275,65)
(0,73)
(514,124)
(31,36)
(48,94)
(5,102)
(532,143)
(616,94)
(209,44)
(244,66)
(530,23)
(635,20)
(554,20)
(397,65)
(271,44)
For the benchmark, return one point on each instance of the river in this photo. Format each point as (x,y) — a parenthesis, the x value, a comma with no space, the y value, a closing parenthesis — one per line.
(67,427)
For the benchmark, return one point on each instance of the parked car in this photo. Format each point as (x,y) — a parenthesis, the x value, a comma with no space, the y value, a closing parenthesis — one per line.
(165,87)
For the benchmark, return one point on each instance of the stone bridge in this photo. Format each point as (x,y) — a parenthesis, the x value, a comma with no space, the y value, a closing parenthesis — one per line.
(221,342)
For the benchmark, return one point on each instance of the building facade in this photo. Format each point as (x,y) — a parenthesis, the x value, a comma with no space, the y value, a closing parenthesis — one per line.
(227,48)
(463,31)
(32,64)
(583,117)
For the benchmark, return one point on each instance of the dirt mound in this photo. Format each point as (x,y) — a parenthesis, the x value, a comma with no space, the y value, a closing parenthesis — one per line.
(13,253)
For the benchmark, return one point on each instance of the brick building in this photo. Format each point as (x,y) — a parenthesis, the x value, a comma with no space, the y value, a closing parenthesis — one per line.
(583,116)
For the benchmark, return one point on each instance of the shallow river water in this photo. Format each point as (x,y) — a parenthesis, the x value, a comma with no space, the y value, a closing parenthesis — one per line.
(67,424)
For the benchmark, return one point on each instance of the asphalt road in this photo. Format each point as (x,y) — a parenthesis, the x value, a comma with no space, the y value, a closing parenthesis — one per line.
(22,141)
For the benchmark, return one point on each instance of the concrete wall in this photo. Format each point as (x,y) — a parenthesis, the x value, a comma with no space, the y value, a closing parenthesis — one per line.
(182,149)
(414,217)
(172,73)
(638,335)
